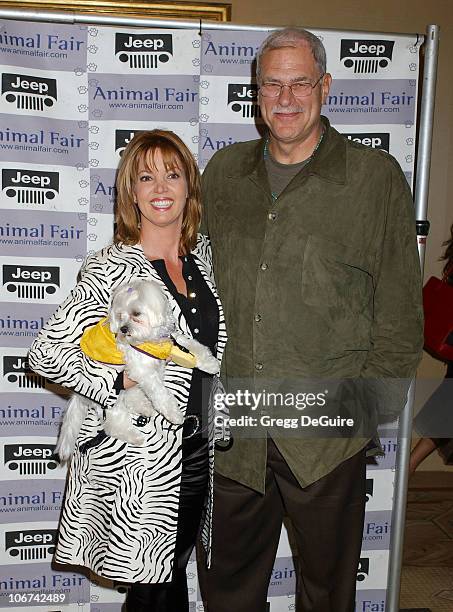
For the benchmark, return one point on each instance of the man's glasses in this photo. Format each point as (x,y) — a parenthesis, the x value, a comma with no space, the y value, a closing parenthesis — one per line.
(299,89)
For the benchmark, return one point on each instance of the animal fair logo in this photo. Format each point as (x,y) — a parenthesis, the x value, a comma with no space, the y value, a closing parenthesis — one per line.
(143,51)
(27,92)
(366,56)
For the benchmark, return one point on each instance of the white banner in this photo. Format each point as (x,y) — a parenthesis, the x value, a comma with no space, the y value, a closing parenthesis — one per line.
(72,97)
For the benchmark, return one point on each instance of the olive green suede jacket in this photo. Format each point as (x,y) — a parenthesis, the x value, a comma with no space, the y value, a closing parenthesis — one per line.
(322,283)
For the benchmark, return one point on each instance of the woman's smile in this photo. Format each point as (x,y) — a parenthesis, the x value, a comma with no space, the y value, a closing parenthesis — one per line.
(161,203)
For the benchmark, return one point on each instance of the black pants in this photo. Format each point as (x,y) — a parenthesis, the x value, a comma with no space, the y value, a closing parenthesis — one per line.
(173,596)
(327,519)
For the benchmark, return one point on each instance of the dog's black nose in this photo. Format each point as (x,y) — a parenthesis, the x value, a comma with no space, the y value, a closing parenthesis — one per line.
(124,329)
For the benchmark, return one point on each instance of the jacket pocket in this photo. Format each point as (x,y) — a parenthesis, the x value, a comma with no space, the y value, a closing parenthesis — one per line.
(102,461)
(336,275)
(337,281)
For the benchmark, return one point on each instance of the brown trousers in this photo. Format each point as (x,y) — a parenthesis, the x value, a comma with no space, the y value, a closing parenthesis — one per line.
(327,520)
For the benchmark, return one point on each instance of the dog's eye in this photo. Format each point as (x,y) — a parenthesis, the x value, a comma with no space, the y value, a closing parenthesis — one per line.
(136,313)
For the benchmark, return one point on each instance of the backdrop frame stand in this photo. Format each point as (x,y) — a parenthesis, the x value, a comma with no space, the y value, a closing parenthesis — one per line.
(431,42)
(405,421)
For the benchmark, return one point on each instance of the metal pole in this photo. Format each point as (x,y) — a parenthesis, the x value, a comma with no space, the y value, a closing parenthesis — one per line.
(405,422)
(426,122)
(139,22)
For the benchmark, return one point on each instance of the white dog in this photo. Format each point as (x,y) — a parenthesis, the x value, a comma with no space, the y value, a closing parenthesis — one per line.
(142,320)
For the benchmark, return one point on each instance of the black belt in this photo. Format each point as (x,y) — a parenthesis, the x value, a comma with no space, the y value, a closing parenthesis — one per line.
(192,425)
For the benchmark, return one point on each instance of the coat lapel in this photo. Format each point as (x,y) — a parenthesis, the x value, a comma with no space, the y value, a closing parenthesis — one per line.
(202,258)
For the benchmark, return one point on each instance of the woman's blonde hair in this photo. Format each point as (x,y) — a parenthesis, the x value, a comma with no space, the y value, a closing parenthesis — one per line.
(175,154)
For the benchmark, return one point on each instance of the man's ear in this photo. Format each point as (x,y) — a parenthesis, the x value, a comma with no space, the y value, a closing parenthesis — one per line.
(325,86)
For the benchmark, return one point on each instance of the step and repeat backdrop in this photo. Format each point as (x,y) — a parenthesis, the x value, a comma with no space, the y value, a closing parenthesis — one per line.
(72,97)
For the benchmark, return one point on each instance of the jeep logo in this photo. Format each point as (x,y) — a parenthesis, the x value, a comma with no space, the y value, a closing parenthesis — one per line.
(30,544)
(32,452)
(30,458)
(143,50)
(375,140)
(369,489)
(30,186)
(242,92)
(29,92)
(17,372)
(34,282)
(123,138)
(31,274)
(363,569)
(29,538)
(366,56)
(15,364)
(242,98)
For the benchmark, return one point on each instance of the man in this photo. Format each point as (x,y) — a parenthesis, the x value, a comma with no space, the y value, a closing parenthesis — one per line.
(315,258)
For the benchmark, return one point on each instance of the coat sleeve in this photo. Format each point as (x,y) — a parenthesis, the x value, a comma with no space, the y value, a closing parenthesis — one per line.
(56,352)
(397,328)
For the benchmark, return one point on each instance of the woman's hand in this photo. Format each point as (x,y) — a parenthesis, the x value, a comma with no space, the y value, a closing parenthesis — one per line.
(128,382)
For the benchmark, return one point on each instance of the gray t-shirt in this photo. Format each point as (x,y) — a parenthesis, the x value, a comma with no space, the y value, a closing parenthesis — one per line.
(280,175)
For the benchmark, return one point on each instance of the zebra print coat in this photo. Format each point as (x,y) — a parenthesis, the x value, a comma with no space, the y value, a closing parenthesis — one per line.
(120,511)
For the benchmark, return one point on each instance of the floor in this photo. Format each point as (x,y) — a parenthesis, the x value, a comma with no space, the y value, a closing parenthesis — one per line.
(427,577)
(427,588)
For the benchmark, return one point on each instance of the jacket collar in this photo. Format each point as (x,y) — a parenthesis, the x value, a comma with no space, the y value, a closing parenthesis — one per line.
(329,161)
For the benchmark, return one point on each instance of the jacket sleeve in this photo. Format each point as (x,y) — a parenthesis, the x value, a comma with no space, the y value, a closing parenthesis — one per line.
(56,352)
(397,328)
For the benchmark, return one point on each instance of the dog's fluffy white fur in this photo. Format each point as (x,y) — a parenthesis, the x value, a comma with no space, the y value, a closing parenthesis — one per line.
(140,312)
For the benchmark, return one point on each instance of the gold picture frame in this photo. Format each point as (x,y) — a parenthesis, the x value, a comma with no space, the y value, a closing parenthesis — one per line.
(129,8)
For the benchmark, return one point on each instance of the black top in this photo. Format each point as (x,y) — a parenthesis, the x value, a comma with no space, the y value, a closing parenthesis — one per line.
(202,315)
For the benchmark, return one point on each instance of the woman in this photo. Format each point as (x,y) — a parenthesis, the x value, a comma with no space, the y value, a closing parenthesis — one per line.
(132,513)
(435,420)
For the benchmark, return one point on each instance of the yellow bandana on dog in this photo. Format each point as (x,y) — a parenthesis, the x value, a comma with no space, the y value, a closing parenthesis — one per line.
(98,343)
